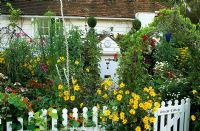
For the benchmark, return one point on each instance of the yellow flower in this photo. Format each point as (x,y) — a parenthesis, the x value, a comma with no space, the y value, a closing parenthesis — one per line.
(122,115)
(2,60)
(124,121)
(146,89)
(152,119)
(107,112)
(145,120)
(138,128)
(194,91)
(152,93)
(66,98)
(58,61)
(60,87)
(76,87)
(105,96)
(87,69)
(131,101)
(193,117)
(74,81)
(72,98)
(120,91)
(110,117)
(157,104)
(147,126)
(98,106)
(76,62)
(135,106)
(81,105)
(127,92)
(136,97)
(105,87)
(60,94)
(115,92)
(115,117)
(119,97)
(121,85)
(66,93)
(132,112)
(99,91)
(62,58)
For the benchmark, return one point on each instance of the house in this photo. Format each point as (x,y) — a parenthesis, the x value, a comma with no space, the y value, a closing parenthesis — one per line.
(113,17)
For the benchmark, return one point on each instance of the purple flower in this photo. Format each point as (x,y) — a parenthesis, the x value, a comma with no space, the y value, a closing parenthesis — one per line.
(168,36)
(43,67)
(8,89)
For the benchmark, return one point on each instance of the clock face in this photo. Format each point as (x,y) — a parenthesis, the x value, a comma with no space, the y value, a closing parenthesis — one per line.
(107,43)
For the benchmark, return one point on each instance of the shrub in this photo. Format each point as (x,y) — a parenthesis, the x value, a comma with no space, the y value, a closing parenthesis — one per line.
(91,21)
(136,24)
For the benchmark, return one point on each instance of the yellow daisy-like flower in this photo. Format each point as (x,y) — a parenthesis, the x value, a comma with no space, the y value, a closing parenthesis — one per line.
(72,98)
(107,112)
(105,87)
(124,121)
(60,94)
(121,85)
(99,91)
(132,111)
(147,126)
(122,115)
(98,106)
(58,61)
(152,119)
(87,69)
(194,91)
(115,117)
(120,91)
(66,93)
(152,93)
(105,96)
(76,62)
(62,58)
(193,117)
(60,87)
(119,97)
(2,60)
(157,104)
(76,87)
(146,89)
(81,105)
(138,128)
(127,92)
(115,92)
(74,81)
(145,120)
(66,98)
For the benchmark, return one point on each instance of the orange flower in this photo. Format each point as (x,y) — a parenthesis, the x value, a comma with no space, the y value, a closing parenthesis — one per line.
(25,100)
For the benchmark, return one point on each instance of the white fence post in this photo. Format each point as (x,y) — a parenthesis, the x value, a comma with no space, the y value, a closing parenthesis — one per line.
(54,121)
(85,116)
(21,122)
(65,118)
(44,117)
(9,124)
(95,117)
(187,114)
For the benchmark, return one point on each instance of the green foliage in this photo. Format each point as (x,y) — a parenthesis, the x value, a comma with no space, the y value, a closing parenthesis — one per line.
(92,55)
(131,70)
(92,21)
(14,14)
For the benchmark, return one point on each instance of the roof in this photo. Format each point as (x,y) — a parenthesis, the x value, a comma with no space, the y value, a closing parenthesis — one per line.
(97,8)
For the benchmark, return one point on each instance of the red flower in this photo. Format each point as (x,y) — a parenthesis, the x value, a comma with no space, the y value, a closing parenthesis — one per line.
(115,56)
(153,42)
(145,37)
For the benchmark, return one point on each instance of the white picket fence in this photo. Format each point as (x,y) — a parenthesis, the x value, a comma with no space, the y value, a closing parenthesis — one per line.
(170,116)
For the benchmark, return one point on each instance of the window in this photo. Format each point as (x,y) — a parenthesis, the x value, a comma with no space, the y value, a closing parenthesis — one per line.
(49,26)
